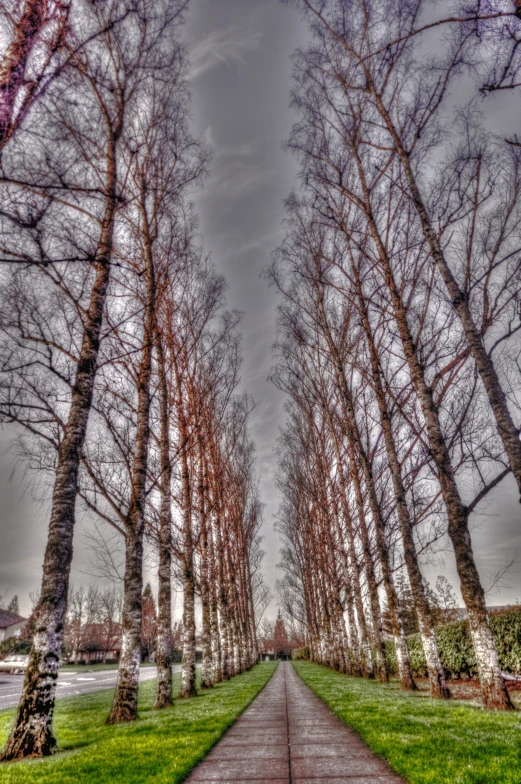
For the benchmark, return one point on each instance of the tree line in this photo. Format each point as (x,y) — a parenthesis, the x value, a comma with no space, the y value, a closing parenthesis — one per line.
(119,360)
(399,322)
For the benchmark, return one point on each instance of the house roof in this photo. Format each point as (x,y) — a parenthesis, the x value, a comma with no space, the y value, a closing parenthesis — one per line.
(9,619)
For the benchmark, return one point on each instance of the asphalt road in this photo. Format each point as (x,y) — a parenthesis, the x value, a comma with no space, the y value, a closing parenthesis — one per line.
(70,683)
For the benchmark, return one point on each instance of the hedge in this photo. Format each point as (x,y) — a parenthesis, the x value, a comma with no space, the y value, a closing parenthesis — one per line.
(300,653)
(14,645)
(456,651)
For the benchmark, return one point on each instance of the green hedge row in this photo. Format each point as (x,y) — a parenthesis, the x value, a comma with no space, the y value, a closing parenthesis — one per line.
(456,651)
(300,653)
(14,645)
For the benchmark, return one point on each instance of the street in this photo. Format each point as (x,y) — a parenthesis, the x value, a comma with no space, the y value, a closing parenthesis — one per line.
(70,683)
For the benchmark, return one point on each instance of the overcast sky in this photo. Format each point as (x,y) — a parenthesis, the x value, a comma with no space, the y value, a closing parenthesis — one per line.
(241,82)
(240,69)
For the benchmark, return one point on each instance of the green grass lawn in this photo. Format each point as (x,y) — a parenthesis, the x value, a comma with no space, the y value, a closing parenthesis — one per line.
(426,741)
(162,747)
(95,667)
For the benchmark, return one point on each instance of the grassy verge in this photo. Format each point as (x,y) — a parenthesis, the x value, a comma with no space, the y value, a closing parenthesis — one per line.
(95,667)
(162,747)
(426,741)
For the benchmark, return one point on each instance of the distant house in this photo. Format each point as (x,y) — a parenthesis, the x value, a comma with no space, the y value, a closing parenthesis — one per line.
(11,624)
(267,650)
(270,651)
(95,642)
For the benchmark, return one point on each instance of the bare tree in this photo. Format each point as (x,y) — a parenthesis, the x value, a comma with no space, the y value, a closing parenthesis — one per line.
(113,72)
(37,32)
(369,244)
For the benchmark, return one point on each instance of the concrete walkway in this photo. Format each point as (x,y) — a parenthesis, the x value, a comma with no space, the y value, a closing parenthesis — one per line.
(288,736)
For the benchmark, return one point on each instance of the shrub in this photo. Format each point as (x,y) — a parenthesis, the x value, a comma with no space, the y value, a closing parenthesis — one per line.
(456,651)
(416,655)
(14,645)
(300,653)
(390,657)
(506,626)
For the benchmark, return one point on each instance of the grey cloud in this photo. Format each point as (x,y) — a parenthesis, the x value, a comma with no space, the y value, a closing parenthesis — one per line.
(221,47)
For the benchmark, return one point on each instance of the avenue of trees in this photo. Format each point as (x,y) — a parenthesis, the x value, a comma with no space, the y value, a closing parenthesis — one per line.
(119,363)
(400,320)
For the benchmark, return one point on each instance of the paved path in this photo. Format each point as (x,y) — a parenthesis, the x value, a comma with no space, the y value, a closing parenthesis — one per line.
(288,736)
(70,683)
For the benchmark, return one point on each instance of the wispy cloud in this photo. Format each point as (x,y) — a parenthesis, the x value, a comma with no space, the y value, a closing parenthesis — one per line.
(237,169)
(222,47)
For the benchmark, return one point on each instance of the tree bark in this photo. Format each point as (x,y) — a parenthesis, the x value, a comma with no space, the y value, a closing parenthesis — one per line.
(124,707)
(223,605)
(188,663)
(214,611)
(206,670)
(164,697)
